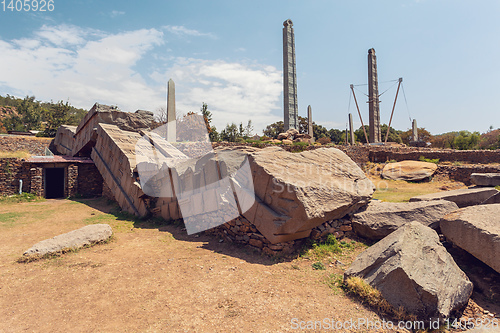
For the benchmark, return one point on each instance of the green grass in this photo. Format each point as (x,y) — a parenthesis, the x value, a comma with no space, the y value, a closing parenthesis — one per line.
(396,195)
(328,248)
(17,198)
(423,159)
(10,219)
(318,266)
(335,282)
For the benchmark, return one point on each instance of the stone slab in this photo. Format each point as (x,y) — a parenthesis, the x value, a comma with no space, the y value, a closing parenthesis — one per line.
(485,179)
(462,197)
(378,219)
(71,240)
(476,230)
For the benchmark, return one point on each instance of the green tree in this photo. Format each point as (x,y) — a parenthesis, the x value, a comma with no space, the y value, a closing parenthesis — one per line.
(466,140)
(274,129)
(337,136)
(423,135)
(57,115)
(231,133)
(393,134)
(207,115)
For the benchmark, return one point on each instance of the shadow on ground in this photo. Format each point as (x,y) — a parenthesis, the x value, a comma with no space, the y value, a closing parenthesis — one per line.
(176,227)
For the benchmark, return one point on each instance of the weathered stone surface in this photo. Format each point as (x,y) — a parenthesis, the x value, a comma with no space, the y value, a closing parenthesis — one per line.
(64,140)
(283,136)
(114,157)
(476,230)
(409,170)
(75,239)
(495,198)
(485,179)
(86,136)
(462,197)
(296,192)
(378,219)
(412,269)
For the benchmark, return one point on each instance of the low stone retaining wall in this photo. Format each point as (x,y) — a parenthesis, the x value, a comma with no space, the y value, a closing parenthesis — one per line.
(33,145)
(461,173)
(241,231)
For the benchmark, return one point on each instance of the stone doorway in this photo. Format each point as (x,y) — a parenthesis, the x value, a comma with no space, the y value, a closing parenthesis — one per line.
(54,183)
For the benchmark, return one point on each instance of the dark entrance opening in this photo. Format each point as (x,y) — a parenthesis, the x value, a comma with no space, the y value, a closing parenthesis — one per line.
(54,183)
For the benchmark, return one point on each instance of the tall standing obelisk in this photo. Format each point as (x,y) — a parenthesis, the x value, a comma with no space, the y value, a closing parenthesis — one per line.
(373,100)
(171,116)
(291,109)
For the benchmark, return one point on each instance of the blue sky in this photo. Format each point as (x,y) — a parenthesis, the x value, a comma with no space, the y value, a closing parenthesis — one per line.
(228,54)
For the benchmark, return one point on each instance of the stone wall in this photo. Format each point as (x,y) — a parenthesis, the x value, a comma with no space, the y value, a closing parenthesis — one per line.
(33,145)
(11,171)
(241,231)
(379,154)
(462,173)
(383,154)
(90,182)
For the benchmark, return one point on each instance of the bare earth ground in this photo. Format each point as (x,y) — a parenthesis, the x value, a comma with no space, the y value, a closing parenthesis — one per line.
(152,278)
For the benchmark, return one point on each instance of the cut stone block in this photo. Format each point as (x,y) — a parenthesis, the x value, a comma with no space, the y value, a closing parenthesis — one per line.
(476,230)
(462,197)
(114,157)
(378,219)
(412,269)
(485,179)
(72,240)
(303,190)
(65,140)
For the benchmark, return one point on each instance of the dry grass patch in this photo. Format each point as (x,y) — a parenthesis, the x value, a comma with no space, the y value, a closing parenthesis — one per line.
(15,154)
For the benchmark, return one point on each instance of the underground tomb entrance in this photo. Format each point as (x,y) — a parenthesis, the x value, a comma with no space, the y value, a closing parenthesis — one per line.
(54,183)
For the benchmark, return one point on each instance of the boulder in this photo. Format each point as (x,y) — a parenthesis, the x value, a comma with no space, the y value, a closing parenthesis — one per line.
(412,269)
(485,179)
(75,239)
(295,192)
(378,219)
(287,142)
(463,197)
(293,132)
(284,136)
(476,230)
(303,139)
(409,170)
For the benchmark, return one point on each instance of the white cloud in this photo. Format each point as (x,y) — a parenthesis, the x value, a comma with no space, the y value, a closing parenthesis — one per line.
(63,34)
(116,13)
(234,92)
(183,31)
(91,66)
(84,66)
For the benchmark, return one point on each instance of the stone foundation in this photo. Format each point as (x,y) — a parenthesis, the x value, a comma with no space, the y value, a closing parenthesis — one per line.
(241,231)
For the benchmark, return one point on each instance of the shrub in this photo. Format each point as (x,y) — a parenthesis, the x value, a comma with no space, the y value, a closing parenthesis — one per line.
(324,141)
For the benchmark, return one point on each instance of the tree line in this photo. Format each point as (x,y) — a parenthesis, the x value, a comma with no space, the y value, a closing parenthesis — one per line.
(29,114)
(461,140)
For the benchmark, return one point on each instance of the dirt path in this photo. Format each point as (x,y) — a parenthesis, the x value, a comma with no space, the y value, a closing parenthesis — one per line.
(154,279)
